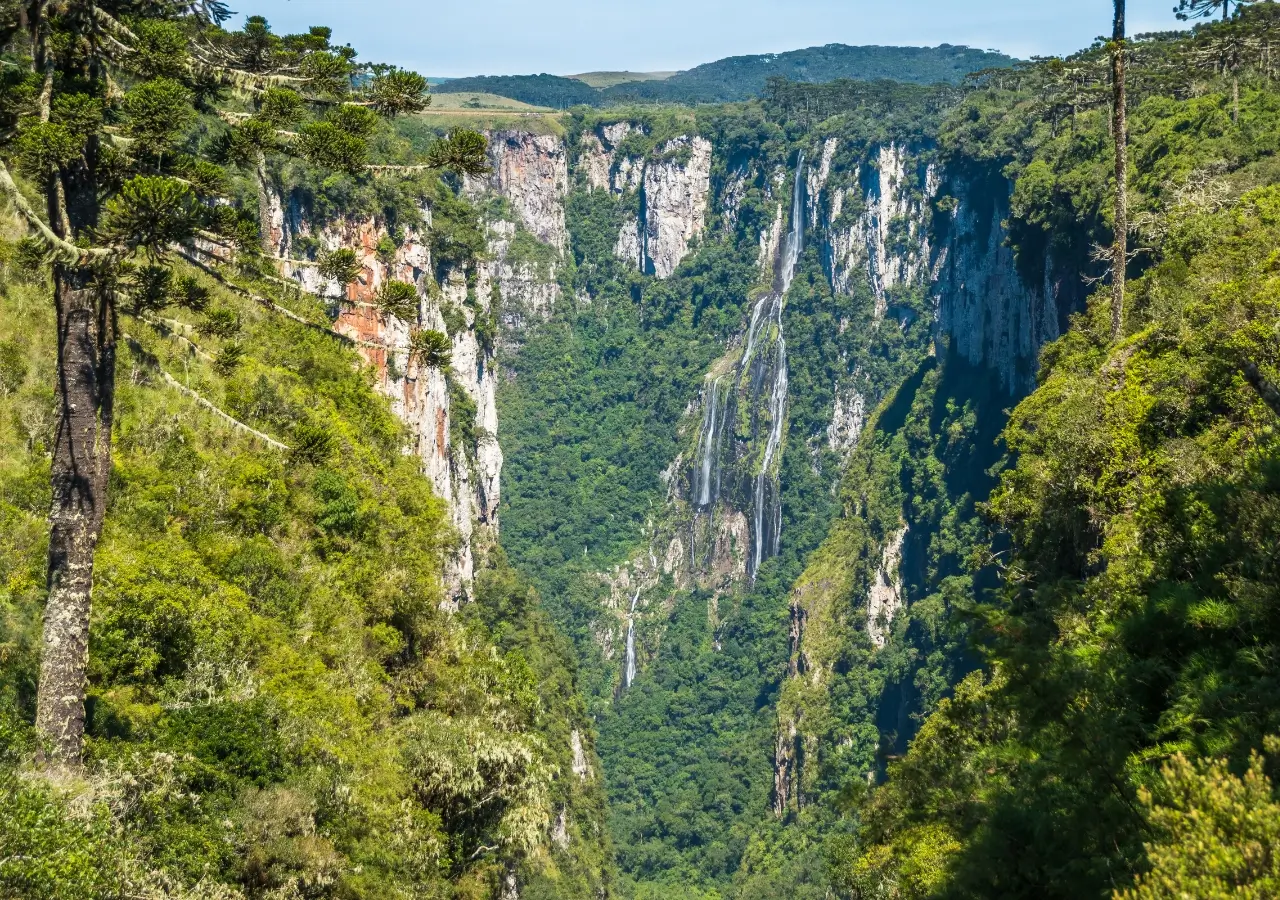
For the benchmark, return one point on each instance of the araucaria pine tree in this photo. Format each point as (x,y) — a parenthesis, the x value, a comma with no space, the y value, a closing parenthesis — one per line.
(1204,9)
(97,128)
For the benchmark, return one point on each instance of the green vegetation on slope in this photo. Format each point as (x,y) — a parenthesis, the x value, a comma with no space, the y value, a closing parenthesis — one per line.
(1043,773)
(594,415)
(1142,512)
(277,702)
(744,77)
(1126,646)
(601,80)
(537,90)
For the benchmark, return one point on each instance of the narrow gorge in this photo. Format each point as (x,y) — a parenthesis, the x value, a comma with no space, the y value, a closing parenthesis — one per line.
(885,263)
(714,486)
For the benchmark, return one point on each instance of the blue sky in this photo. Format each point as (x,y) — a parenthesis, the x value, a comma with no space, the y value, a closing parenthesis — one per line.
(565,37)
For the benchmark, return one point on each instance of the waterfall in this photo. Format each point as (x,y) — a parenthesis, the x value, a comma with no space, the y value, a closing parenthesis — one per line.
(756,373)
(629,673)
(708,475)
(795,240)
(769,310)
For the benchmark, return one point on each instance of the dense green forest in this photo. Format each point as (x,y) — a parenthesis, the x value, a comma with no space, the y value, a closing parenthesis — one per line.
(1016,637)
(552,91)
(744,77)
(277,702)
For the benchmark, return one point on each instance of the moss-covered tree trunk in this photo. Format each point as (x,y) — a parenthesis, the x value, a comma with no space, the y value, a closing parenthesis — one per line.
(262,179)
(81,470)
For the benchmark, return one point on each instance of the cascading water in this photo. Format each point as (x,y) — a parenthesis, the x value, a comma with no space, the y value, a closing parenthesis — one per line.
(767,530)
(708,475)
(629,672)
(756,375)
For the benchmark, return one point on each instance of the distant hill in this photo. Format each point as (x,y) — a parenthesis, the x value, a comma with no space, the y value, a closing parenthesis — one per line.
(744,77)
(536,90)
(739,77)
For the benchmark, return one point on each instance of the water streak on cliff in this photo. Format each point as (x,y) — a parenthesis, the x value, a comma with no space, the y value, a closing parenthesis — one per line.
(629,672)
(713,420)
(767,527)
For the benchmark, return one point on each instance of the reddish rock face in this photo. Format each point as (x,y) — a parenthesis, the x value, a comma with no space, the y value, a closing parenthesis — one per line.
(531,173)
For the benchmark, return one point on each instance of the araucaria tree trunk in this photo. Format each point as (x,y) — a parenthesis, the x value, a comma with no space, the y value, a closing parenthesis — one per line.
(1120,126)
(81,470)
(266,207)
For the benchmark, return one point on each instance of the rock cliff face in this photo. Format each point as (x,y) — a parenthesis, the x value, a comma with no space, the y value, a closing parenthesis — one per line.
(601,164)
(905,223)
(885,597)
(528,288)
(879,228)
(883,231)
(847,419)
(674,203)
(466,477)
(991,316)
(530,173)
(674,188)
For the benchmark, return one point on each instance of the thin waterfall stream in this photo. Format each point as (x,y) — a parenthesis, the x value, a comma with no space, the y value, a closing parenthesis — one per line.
(629,672)
(708,474)
(770,309)
(752,372)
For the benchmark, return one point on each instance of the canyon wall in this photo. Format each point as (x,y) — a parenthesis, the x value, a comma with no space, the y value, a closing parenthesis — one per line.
(877,222)
(478,307)
(985,308)
(943,230)
(671,186)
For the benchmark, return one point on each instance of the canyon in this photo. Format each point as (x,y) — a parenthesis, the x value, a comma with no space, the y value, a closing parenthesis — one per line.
(886,223)
(726,487)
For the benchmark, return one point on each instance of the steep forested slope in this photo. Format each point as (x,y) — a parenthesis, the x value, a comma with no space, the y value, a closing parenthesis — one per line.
(275,689)
(599,407)
(285,697)
(1123,630)
(744,77)
(742,500)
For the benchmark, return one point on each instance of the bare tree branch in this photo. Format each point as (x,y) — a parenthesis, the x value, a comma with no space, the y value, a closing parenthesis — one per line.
(174,329)
(114,27)
(262,301)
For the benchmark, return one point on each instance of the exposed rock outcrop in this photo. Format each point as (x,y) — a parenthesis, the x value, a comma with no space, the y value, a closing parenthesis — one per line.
(885,597)
(676,191)
(467,478)
(277,239)
(597,156)
(529,289)
(847,419)
(991,316)
(628,247)
(581,767)
(887,242)
(531,171)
